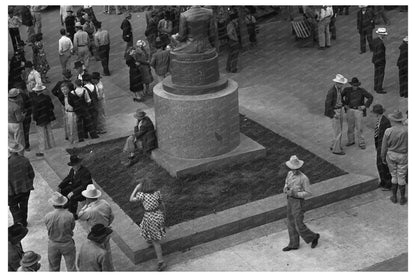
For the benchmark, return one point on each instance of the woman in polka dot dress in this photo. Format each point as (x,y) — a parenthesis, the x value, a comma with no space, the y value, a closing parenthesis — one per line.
(153,223)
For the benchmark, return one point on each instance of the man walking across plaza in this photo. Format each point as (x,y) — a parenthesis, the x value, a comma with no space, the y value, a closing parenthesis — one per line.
(382,124)
(70,24)
(65,49)
(81,45)
(60,225)
(21,177)
(297,188)
(233,44)
(379,60)
(102,41)
(324,18)
(365,26)
(353,99)
(402,65)
(127,31)
(394,151)
(333,110)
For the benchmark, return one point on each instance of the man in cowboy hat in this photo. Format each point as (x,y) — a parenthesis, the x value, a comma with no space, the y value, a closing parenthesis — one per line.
(15,250)
(102,41)
(297,188)
(353,100)
(127,31)
(144,137)
(92,255)
(81,43)
(379,60)
(43,114)
(394,151)
(15,118)
(29,262)
(60,225)
(382,123)
(72,186)
(333,110)
(402,64)
(365,26)
(21,177)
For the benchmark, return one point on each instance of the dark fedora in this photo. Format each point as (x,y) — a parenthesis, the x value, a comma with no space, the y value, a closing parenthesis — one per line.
(86,77)
(96,76)
(378,109)
(30,258)
(74,159)
(17,232)
(67,74)
(28,64)
(99,232)
(355,82)
(77,64)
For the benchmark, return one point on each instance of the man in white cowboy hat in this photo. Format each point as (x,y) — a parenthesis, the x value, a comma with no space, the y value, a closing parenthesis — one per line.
(92,255)
(402,65)
(297,188)
(60,224)
(29,262)
(21,177)
(394,151)
(15,250)
(365,26)
(379,60)
(144,137)
(15,118)
(333,110)
(353,100)
(43,114)
(81,44)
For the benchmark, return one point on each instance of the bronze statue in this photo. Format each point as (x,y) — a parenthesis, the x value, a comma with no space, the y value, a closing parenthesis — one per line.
(196,31)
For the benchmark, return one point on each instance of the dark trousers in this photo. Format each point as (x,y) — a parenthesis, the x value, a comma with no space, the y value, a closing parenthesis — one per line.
(383,170)
(72,204)
(84,125)
(295,225)
(18,207)
(93,115)
(363,36)
(333,28)
(26,130)
(15,37)
(104,55)
(403,81)
(379,76)
(232,59)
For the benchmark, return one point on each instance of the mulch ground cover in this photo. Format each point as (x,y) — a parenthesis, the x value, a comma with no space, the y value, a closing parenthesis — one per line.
(194,196)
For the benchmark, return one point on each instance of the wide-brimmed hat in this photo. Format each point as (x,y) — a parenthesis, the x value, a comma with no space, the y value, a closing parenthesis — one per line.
(39,88)
(141,43)
(127,15)
(15,147)
(91,192)
(396,116)
(99,232)
(95,75)
(362,6)
(30,258)
(17,232)
(139,114)
(57,199)
(14,92)
(74,159)
(340,79)
(355,82)
(406,39)
(78,25)
(381,31)
(378,109)
(294,162)
(77,64)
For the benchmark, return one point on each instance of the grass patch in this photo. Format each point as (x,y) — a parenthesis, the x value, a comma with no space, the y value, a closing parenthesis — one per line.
(194,196)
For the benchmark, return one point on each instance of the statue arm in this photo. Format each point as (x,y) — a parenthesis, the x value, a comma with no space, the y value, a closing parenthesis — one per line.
(182,35)
(212,31)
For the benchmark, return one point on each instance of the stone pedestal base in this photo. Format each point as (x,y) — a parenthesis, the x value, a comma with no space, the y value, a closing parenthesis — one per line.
(247,150)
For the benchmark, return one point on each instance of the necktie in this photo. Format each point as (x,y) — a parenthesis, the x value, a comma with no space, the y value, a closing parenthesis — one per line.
(377,129)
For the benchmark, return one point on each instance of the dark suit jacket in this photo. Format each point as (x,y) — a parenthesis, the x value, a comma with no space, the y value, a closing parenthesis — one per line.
(76,183)
(42,109)
(127,31)
(365,22)
(58,93)
(384,124)
(379,52)
(146,134)
(330,102)
(402,61)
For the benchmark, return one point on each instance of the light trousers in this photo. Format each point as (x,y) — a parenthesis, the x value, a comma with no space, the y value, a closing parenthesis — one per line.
(397,163)
(58,249)
(355,126)
(45,137)
(16,134)
(337,127)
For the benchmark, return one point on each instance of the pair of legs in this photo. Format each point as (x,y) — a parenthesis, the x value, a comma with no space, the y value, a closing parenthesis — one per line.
(16,134)
(18,207)
(232,59)
(379,77)
(363,36)
(15,37)
(64,59)
(84,126)
(58,249)
(46,138)
(84,55)
(104,55)
(324,36)
(337,127)
(398,165)
(355,127)
(383,170)
(403,81)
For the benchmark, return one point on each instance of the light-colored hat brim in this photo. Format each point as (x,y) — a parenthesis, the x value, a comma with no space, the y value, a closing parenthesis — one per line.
(53,203)
(390,116)
(41,88)
(87,194)
(19,149)
(292,166)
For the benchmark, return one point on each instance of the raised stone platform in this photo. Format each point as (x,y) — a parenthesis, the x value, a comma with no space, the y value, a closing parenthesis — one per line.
(247,150)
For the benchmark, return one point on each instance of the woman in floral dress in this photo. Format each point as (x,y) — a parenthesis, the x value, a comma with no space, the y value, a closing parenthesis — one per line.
(153,223)
(39,57)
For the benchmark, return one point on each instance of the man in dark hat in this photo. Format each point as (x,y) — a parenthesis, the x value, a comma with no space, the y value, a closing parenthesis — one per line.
(127,31)
(21,177)
(144,137)
(80,70)
(102,41)
(394,153)
(92,255)
(16,233)
(70,24)
(29,262)
(60,225)
(365,26)
(72,186)
(379,59)
(353,100)
(402,65)
(382,124)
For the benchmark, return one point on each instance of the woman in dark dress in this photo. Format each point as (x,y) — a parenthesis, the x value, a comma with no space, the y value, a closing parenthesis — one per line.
(142,58)
(136,85)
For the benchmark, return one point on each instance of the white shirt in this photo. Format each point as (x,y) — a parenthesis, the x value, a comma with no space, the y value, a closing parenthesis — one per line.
(65,44)
(100,90)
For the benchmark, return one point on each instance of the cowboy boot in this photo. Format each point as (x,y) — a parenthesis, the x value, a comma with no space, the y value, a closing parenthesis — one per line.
(403,199)
(393,198)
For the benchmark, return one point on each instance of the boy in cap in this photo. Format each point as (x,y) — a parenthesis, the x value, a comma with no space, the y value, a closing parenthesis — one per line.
(16,233)
(60,225)
(379,60)
(29,262)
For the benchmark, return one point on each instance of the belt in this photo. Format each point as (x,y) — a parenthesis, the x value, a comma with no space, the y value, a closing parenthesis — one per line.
(337,108)
(82,45)
(151,211)
(354,107)
(294,197)
(69,111)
